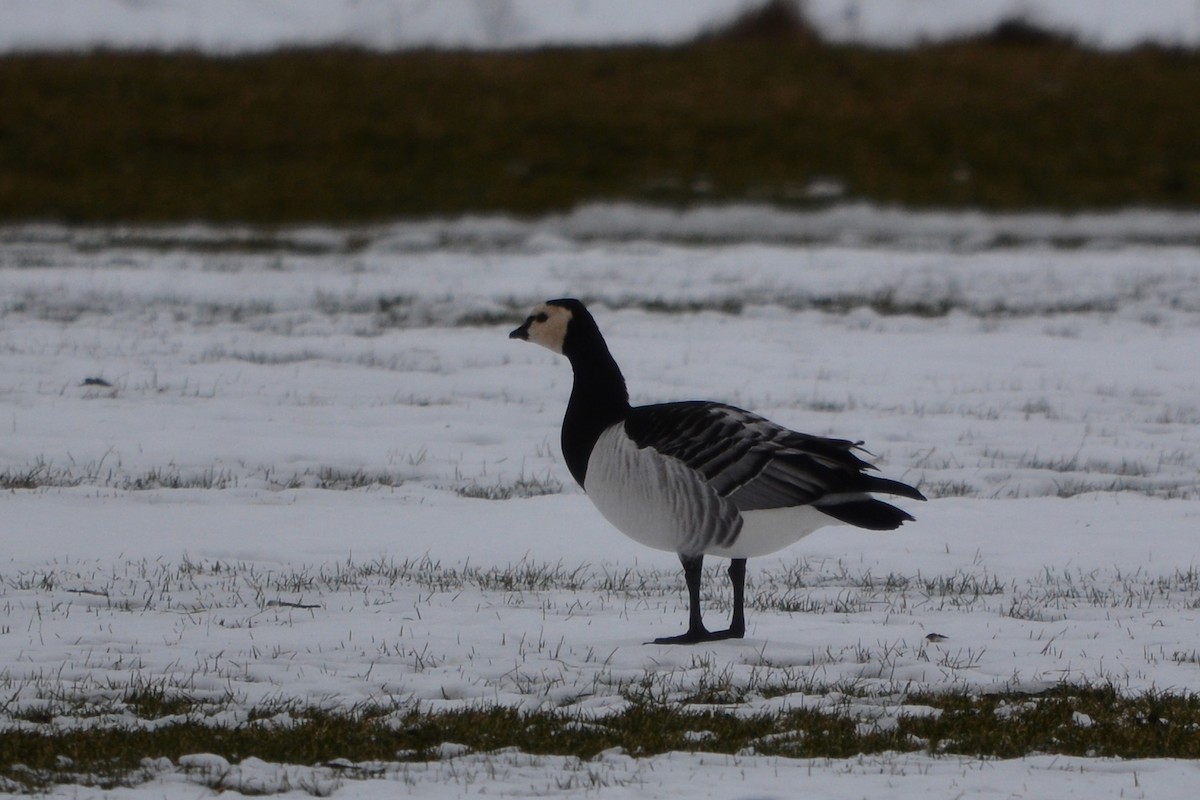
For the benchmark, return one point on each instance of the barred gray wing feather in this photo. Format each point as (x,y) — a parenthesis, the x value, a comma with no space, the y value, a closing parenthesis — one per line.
(754,462)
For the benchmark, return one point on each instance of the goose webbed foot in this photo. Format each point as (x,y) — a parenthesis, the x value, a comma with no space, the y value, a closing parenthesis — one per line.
(700,636)
(696,632)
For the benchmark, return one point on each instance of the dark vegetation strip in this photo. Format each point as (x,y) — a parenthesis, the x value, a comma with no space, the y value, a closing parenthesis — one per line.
(1016,119)
(1066,721)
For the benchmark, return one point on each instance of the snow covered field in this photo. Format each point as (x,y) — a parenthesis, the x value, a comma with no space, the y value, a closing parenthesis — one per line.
(308,466)
(247,25)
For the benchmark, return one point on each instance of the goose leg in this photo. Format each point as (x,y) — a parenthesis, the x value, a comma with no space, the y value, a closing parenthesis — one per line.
(692,568)
(696,632)
(737,577)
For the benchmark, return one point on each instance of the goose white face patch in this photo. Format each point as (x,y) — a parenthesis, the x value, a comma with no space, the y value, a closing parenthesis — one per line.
(547,326)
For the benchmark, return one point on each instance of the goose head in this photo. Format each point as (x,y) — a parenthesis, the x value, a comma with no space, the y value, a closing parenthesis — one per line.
(550,323)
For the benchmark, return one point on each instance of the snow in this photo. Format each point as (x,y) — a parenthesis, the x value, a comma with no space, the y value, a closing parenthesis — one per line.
(226,26)
(615,775)
(278,493)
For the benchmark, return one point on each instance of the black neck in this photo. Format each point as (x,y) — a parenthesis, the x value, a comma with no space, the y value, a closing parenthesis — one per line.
(598,401)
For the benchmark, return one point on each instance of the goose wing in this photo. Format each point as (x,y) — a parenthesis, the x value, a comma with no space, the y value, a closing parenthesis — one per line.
(755,463)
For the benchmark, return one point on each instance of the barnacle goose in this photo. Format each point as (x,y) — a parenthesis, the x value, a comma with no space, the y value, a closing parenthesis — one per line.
(700,478)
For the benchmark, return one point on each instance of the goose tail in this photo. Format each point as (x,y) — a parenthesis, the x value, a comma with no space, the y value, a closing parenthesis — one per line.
(869,513)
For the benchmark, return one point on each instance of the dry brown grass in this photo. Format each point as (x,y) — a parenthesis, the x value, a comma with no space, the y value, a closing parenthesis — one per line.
(339,135)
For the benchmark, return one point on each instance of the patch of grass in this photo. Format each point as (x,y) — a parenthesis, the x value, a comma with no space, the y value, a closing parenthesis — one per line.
(949,488)
(44,475)
(158,701)
(1067,720)
(30,478)
(157,478)
(331,478)
(885,304)
(1014,120)
(522,487)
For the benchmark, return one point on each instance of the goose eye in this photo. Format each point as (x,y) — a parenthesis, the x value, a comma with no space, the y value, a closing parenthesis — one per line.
(542,317)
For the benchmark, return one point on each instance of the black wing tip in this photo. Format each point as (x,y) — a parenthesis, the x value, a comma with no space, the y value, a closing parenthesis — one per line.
(871,514)
(897,488)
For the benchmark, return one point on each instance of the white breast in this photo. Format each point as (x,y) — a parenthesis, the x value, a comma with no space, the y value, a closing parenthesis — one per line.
(662,503)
